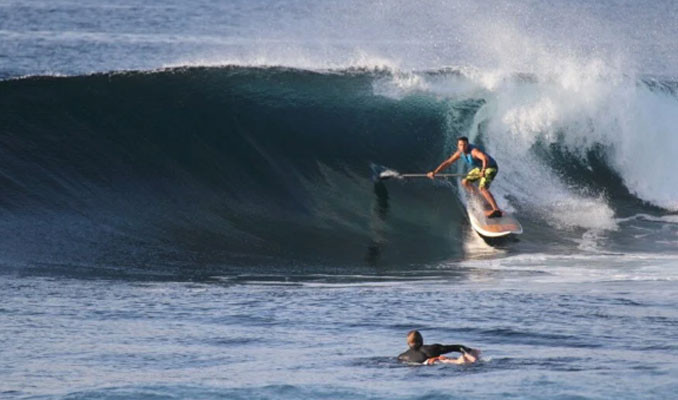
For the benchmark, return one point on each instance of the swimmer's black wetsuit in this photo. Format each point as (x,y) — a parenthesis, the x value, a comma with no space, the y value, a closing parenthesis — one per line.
(425,352)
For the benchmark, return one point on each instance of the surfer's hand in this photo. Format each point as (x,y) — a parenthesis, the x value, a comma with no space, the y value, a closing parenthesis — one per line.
(431,174)
(482,173)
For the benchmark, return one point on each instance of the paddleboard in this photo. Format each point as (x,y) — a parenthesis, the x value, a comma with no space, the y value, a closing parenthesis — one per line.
(507,224)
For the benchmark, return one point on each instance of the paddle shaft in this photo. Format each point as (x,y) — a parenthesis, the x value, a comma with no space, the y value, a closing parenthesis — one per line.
(425,176)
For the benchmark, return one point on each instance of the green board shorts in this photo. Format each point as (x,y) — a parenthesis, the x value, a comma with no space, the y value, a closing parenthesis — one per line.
(485,181)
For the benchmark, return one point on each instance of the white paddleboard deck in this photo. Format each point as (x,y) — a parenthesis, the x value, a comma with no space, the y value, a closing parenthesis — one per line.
(507,224)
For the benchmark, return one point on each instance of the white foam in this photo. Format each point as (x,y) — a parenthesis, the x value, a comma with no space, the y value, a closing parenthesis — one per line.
(633,124)
(584,267)
(476,248)
(582,105)
(670,219)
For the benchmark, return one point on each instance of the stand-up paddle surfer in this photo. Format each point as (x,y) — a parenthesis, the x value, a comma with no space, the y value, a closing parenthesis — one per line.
(430,354)
(484,169)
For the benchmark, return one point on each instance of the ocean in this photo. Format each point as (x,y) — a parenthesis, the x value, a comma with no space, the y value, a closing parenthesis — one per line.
(189,209)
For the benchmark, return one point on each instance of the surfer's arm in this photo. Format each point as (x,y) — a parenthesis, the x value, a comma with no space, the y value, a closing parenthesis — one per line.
(482,157)
(454,157)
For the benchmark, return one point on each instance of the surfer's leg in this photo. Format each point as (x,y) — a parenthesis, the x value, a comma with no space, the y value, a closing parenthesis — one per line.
(490,199)
(472,176)
(484,186)
(468,185)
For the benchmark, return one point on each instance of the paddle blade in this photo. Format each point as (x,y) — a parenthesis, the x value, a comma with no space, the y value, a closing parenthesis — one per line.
(388,174)
(379,173)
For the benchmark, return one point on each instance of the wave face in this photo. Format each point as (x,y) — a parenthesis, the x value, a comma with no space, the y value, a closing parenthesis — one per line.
(270,166)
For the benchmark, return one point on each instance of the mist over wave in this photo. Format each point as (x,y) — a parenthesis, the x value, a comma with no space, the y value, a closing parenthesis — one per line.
(62,37)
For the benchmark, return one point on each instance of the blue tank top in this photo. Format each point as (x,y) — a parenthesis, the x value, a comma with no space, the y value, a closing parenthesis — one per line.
(476,162)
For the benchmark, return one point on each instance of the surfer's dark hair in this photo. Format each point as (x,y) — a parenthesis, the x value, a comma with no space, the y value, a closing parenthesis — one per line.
(463,139)
(414,339)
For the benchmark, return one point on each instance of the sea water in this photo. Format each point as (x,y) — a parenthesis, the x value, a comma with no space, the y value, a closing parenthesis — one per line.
(188,208)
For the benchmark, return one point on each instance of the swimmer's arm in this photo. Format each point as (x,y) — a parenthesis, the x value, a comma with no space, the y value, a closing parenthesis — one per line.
(459,360)
(446,360)
(465,358)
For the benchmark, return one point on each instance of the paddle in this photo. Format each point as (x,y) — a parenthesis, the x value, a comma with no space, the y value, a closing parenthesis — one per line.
(381,173)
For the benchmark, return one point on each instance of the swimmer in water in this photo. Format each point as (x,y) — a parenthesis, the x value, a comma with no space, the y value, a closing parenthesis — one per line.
(433,353)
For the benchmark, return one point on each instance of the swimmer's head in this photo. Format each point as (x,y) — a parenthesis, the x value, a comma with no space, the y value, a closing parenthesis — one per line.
(414,340)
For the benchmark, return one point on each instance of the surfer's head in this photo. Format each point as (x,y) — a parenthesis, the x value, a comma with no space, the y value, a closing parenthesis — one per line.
(414,340)
(462,143)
